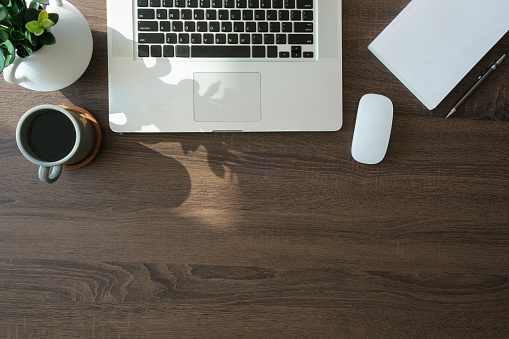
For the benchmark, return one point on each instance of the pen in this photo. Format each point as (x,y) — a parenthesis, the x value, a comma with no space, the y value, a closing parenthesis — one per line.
(491,68)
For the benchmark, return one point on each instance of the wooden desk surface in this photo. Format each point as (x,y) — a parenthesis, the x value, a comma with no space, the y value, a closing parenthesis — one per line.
(265,235)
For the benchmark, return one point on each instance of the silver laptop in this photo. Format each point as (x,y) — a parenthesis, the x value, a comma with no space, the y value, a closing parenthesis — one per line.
(224,65)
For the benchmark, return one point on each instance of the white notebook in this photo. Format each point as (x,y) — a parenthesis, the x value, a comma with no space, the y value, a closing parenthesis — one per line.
(432,44)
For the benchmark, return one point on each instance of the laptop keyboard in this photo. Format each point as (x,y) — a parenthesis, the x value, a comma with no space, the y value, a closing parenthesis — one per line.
(269,29)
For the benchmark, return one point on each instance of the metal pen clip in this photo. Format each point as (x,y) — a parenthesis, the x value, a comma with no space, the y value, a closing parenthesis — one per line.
(486,70)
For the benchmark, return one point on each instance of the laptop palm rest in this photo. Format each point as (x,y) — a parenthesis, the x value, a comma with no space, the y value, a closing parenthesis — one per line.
(227,97)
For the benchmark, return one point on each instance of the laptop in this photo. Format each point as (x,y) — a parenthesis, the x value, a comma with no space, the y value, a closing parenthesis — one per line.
(224,65)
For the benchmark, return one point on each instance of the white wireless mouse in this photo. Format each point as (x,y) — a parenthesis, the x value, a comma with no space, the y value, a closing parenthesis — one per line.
(372,129)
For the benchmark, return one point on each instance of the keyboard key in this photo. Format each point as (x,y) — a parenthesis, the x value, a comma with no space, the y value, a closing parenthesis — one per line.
(204,3)
(268,39)
(226,26)
(180,3)
(208,38)
(211,14)
(258,51)
(146,13)
(177,26)
(300,39)
(155,3)
(238,27)
(235,14)
(250,26)
(284,54)
(259,15)
(245,39)
(226,51)
(173,14)
(256,39)
(186,14)
(296,15)
(192,3)
(220,39)
(307,15)
(156,51)
(151,38)
(287,27)
(196,38)
(241,3)
(223,14)
(182,51)
(265,3)
(162,14)
(277,3)
(199,14)
(164,26)
(271,15)
(167,3)
(308,54)
(303,27)
(281,39)
(247,14)
(147,26)
(229,3)
(183,38)
(171,38)
(289,3)
(263,27)
(233,39)
(253,3)
(284,15)
(142,3)
(143,51)
(272,52)
(201,26)
(217,3)
(168,51)
(275,27)
(189,26)
(304,4)
(214,26)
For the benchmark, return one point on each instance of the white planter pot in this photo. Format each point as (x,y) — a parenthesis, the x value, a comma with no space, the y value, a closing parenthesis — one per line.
(57,66)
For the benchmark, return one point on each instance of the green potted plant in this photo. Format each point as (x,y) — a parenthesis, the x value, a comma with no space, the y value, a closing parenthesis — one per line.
(24,29)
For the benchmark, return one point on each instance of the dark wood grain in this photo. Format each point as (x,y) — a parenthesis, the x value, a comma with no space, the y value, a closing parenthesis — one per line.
(265,235)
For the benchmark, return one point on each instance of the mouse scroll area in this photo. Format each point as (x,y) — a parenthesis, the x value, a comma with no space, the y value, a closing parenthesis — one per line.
(372,129)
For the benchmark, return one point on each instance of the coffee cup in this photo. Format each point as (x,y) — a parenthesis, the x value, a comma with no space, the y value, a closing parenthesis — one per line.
(52,137)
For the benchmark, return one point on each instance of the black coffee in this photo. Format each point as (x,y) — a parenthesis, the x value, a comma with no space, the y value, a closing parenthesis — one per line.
(51,135)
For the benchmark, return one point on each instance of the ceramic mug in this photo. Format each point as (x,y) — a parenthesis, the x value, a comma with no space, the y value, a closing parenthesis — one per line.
(52,137)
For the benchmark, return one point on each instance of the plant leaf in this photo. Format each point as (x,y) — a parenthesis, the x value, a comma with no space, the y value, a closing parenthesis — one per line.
(53,17)
(18,18)
(38,31)
(2,62)
(8,46)
(32,38)
(31,14)
(3,12)
(4,36)
(17,35)
(47,23)
(34,4)
(42,15)
(9,59)
(22,53)
(47,39)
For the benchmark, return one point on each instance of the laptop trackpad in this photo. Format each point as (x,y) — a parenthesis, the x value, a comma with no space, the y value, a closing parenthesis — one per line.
(227,97)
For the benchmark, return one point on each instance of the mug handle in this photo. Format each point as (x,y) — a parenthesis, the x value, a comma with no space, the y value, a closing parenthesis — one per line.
(48,177)
(10,77)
